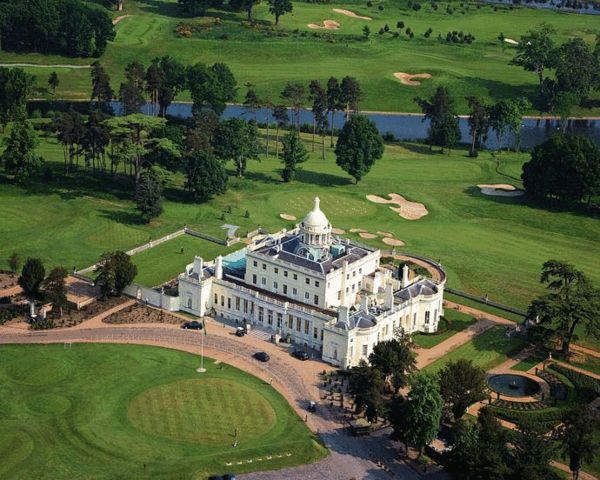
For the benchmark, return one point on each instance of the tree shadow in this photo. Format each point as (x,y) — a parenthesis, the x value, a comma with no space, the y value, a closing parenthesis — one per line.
(261,177)
(321,179)
(498,90)
(123,217)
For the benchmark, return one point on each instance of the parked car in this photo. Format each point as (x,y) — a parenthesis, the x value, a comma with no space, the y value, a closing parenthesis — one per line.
(300,355)
(193,325)
(227,476)
(240,332)
(312,406)
(262,356)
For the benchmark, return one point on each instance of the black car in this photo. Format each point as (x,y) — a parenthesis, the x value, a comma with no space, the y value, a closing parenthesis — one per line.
(262,356)
(240,332)
(193,325)
(300,355)
(227,476)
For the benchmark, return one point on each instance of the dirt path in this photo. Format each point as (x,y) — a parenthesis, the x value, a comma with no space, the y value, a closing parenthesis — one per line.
(118,20)
(587,351)
(10,292)
(37,65)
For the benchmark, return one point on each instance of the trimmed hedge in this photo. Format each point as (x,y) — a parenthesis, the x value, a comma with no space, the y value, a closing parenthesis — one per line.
(545,418)
(588,388)
(10,312)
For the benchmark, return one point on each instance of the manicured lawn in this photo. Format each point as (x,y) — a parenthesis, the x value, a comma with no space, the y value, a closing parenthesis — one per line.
(108,411)
(165,261)
(487,350)
(530,362)
(269,57)
(486,244)
(483,307)
(456,322)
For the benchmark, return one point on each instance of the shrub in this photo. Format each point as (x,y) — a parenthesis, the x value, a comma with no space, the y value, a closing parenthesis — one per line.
(400,25)
(587,388)
(380,7)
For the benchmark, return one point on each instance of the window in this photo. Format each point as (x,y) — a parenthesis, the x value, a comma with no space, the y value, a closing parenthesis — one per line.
(294,291)
(190,302)
(216,299)
(264,266)
(222,301)
(254,279)
(298,323)
(270,317)
(276,270)
(306,296)
(285,289)
(339,294)
(360,270)
(365,350)
(414,320)
(316,283)
(435,315)
(275,285)
(285,273)
(245,306)
(295,276)
(279,320)
(321,335)
(263,281)
(261,314)
(315,333)
(255,263)
(353,287)
(354,273)
(316,300)
(307,280)
(290,321)
(427,318)
(229,302)
(347,276)
(306,327)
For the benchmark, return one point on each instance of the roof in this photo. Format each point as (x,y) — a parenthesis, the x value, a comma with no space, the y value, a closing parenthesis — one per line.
(422,287)
(315,219)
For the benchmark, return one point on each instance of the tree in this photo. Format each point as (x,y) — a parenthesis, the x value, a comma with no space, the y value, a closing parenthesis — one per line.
(31,278)
(53,82)
(295,94)
(55,288)
(131,92)
(572,302)
(395,359)
(576,68)
(251,101)
(14,262)
(280,114)
(16,87)
(535,51)
(578,438)
(211,87)
(462,384)
(479,124)
(247,5)
(422,412)
(350,94)
(293,153)
(101,89)
(318,96)
(206,175)
(532,454)
(358,147)
(507,115)
(366,384)
(154,80)
(148,194)
(444,130)
(334,104)
(197,8)
(279,8)
(563,156)
(19,156)
(115,272)
(366,31)
(236,140)
(173,81)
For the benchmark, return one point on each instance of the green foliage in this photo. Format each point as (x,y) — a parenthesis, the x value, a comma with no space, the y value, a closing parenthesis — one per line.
(115,272)
(53,82)
(211,87)
(16,86)
(31,278)
(461,385)
(67,27)
(205,175)
(279,8)
(578,437)
(55,288)
(102,92)
(236,140)
(197,8)
(358,147)
(9,312)
(506,116)
(444,131)
(395,359)
(293,153)
(535,51)
(586,387)
(14,262)
(563,156)
(366,384)
(148,194)
(19,156)
(366,31)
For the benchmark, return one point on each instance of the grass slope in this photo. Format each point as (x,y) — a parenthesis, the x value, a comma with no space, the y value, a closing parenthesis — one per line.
(456,322)
(108,412)
(293,52)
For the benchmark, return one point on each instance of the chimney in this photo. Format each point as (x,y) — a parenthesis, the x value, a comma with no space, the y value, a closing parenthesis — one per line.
(389,295)
(198,266)
(364,303)
(343,283)
(344,315)
(405,280)
(219,267)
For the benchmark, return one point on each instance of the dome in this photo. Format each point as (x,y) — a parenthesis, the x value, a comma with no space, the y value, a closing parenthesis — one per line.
(316,219)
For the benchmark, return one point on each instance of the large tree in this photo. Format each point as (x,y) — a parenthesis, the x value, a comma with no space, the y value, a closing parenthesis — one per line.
(197,8)
(32,276)
(366,384)
(148,194)
(507,116)
(295,95)
(535,51)
(577,68)
(334,102)
(115,272)
(532,454)
(55,288)
(246,5)
(479,124)
(395,359)
(358,147)
(462,384)
(236,140)
(211,87)
(292,154)
(205,175)
(174,80)
(578,436)
(444,130)
(19,157)
(281,116)
(16,87)
(350,94)
(101,89)
(279,8)
(572,302)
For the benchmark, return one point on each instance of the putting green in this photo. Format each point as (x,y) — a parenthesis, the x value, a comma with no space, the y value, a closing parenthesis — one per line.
(157,411)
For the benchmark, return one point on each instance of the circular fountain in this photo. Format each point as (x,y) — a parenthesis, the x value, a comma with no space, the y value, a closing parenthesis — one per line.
(513,385)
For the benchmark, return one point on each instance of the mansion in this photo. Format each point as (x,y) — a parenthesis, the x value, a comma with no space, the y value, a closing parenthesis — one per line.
(314,289)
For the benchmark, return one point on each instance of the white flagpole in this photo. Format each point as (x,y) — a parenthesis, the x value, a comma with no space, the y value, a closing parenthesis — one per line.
(202,334)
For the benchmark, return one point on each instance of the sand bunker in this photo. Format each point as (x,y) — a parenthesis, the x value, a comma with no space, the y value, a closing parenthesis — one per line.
(394,242)
(511,41)
(367,235)
(348,13)
(287,216)
(118,19)
(357,230)
(385,234)
(327,24)
(500,190)
(338,231)
(407,78)
(406,209)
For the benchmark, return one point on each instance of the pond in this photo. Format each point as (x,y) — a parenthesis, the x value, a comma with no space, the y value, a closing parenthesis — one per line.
(513,385)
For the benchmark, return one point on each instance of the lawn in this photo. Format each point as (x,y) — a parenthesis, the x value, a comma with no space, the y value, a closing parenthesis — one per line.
(483,307)
(165,261)
(488,245)
(107,412)
(487,350)
(530,362)
(456,322)
(268,57)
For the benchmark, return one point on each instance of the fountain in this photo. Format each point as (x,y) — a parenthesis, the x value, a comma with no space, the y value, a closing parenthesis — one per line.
(513,385)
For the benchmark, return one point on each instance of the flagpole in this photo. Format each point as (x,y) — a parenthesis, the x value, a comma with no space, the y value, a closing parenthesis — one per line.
(202,334)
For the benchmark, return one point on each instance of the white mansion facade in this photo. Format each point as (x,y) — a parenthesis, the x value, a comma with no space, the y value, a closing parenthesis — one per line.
(315,288)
